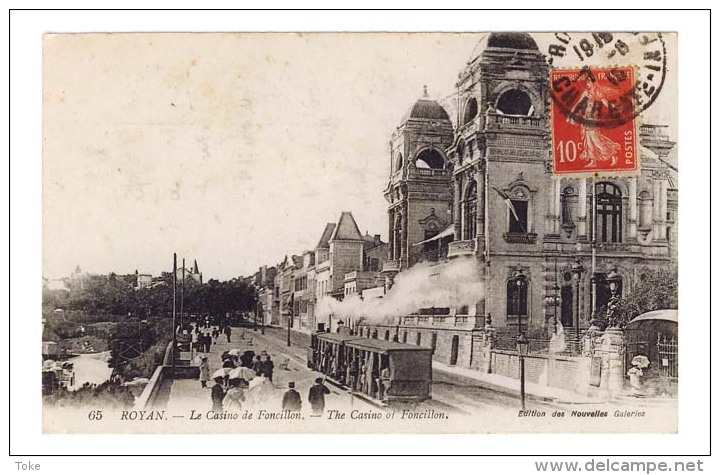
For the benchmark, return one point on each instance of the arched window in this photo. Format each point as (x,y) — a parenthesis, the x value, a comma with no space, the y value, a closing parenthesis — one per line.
(471,110)
(470,218)
(398,161)
(515,102)
(430,159)
(608,213)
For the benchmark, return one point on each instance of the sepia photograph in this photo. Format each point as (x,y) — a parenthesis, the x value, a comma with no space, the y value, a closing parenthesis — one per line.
(360,232)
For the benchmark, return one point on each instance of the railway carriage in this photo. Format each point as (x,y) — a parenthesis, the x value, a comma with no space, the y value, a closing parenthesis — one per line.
(385,371)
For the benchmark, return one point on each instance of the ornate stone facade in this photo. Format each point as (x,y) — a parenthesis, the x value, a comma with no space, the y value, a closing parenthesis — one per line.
(493,183)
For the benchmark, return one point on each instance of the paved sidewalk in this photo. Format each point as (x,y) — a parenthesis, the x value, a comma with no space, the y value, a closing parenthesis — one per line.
(508,385)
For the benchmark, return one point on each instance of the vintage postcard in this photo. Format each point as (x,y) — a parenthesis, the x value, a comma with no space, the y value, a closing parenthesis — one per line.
(360,233)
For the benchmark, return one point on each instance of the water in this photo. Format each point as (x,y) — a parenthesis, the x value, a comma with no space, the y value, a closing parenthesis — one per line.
(91,368)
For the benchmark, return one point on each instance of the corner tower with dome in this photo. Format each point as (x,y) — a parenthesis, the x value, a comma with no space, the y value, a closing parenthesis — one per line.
(418,191)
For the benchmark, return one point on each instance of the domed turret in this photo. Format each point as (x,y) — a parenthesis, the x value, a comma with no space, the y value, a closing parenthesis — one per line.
(425,108)
(428,109)
(512,41)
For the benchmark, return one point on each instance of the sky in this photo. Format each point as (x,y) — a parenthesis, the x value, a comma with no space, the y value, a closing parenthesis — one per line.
(230,149)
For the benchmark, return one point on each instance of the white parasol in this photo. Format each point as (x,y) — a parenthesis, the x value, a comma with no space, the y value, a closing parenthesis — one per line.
(245,373)
(221,373)
(641,361)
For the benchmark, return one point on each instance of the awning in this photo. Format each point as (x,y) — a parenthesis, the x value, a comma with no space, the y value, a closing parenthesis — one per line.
(449,231)
(664,321)
(669,315)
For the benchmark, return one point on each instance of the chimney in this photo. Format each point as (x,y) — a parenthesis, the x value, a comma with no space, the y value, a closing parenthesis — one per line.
(377,240)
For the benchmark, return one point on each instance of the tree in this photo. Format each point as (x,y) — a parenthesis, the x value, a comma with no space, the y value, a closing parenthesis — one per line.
(656,289)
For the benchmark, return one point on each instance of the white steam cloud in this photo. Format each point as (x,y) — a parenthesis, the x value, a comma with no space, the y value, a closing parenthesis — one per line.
(449,284)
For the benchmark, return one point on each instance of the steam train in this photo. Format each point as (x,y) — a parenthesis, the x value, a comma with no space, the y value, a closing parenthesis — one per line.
(385,371)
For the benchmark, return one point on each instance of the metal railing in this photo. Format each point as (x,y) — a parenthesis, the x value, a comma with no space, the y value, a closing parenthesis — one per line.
(668,357)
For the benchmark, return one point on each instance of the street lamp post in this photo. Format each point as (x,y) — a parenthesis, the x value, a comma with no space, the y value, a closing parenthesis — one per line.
(522,347)
(289,322)
(520,282)
(577,270)
(556,304)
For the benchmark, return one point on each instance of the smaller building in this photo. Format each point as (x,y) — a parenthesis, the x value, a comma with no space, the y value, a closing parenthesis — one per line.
(144,281)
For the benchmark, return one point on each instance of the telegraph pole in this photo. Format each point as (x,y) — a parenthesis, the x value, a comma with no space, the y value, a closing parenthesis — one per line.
(174,315)
(182,294)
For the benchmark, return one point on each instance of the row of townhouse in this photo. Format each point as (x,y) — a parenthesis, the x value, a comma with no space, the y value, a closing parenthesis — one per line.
(343,263)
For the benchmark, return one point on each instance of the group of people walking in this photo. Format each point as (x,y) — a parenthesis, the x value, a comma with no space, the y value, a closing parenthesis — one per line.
(245,379)
(204,335)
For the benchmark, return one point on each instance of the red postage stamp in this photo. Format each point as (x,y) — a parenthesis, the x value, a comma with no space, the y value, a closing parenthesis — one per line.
(593,120)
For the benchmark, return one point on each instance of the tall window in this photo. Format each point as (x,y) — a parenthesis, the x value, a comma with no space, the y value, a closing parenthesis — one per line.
(608,213)
(471,110)
(470,211)
(519,219)
(516,298)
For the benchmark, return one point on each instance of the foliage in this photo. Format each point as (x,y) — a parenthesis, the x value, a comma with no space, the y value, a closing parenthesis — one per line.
(103,295)
(142,317)
(137,346)
(655,289)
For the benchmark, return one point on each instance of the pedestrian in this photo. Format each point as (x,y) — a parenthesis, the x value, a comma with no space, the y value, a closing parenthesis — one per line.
(204,371)
(208,342)
(218,394)
(291,399)
(234,396)
(316,396)
(258,365)
(193,341)
(267,367)
(228,362)
(246,359)
(228,330)
(215,334)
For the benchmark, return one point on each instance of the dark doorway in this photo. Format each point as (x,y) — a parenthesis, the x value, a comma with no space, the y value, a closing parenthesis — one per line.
(566,311)
(454,350)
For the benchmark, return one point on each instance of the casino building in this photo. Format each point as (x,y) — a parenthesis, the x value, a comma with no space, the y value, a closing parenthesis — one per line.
(479,184)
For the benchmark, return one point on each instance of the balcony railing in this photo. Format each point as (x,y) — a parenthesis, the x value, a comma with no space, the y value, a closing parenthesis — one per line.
(461,248)
(436,172)
(512,121)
